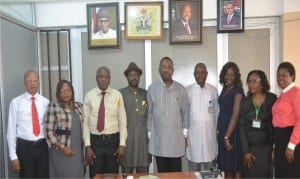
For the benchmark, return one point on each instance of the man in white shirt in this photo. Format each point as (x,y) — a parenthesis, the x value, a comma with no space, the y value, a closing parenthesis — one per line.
(203,115)
(103,22)
(28,150)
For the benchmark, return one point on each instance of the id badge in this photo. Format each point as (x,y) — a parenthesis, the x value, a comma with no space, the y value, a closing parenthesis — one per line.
(211,110)
(256,123)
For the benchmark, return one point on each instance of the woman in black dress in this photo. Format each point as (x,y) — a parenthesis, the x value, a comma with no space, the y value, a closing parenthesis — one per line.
(256,126)
(229,147)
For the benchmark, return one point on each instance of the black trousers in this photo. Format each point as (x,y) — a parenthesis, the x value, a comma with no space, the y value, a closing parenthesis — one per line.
(104,147)
(34,158)
(166,164)
(283,169)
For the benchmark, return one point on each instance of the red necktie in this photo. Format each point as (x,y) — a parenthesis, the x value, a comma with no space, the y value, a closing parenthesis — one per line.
(35,118)
(101,114)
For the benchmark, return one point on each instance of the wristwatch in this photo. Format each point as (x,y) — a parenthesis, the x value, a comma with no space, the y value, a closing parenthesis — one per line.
(225,137)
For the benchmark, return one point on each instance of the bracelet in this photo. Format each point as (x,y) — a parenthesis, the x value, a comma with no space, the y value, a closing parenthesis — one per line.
(225,137)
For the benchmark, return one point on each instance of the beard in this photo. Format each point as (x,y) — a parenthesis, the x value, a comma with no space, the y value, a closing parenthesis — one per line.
(134,83)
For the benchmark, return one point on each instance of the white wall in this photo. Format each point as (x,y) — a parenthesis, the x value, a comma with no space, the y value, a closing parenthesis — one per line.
(291,6)
(53,14)
(22,12)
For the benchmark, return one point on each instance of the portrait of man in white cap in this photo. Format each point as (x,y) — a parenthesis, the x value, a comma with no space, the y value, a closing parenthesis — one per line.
(103,26)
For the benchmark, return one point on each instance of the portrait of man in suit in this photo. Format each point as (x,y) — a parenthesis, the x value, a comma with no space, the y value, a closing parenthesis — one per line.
(231,17)
(185,27)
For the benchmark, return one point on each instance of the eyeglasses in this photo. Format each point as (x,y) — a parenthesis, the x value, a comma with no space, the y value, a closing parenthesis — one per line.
(104,20)
(253,81)
(66,91)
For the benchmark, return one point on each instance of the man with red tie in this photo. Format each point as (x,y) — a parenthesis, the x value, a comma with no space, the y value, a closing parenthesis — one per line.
(28,149)
(104,126)
(231,18)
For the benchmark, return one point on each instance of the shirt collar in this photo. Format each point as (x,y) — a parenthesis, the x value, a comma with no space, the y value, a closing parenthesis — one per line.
(200,86)
(132,90)
(108,90)
(28,95)
(184,22)
(162,82)
(288,87)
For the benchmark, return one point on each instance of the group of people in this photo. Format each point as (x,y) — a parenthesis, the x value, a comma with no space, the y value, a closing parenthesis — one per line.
(113,128)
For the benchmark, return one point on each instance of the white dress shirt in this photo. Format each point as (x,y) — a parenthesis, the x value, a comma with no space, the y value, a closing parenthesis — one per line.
(111,34)
(20,120)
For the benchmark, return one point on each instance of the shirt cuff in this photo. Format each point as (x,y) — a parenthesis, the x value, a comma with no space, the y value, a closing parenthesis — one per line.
(291,146)
(149,134)
(185,132)
(13,156)
(87,143)
(123,143)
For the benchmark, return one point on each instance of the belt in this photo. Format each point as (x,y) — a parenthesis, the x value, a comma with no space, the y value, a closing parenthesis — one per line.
(105,136)
(37,142)
(62,132)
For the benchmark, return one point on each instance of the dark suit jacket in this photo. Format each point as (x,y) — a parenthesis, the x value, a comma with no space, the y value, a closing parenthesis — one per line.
(179,29)
(235,20)
(253,136)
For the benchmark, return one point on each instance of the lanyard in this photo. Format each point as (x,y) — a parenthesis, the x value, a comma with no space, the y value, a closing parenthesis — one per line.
(257,108)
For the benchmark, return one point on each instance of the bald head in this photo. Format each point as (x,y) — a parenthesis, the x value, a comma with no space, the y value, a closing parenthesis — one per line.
(103,78)
(200,74)
(31,81)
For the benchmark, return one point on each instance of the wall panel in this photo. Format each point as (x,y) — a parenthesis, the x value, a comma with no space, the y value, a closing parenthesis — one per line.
(18,54)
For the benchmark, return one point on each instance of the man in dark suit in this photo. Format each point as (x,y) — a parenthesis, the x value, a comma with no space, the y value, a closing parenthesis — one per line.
(183,25)
(231,17)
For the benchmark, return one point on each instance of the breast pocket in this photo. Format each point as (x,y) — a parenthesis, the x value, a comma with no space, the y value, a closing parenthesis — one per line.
(111,107)
(24,114)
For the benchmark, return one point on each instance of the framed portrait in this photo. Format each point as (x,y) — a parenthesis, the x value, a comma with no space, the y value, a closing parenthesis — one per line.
(143,20)
(103,25)
(185,21)
(230,16)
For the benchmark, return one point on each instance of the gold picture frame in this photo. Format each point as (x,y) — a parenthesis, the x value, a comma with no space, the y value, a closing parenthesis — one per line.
(143,20)
(103,25)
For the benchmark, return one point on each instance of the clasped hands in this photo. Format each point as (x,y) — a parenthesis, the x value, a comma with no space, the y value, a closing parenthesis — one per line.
(67,151)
